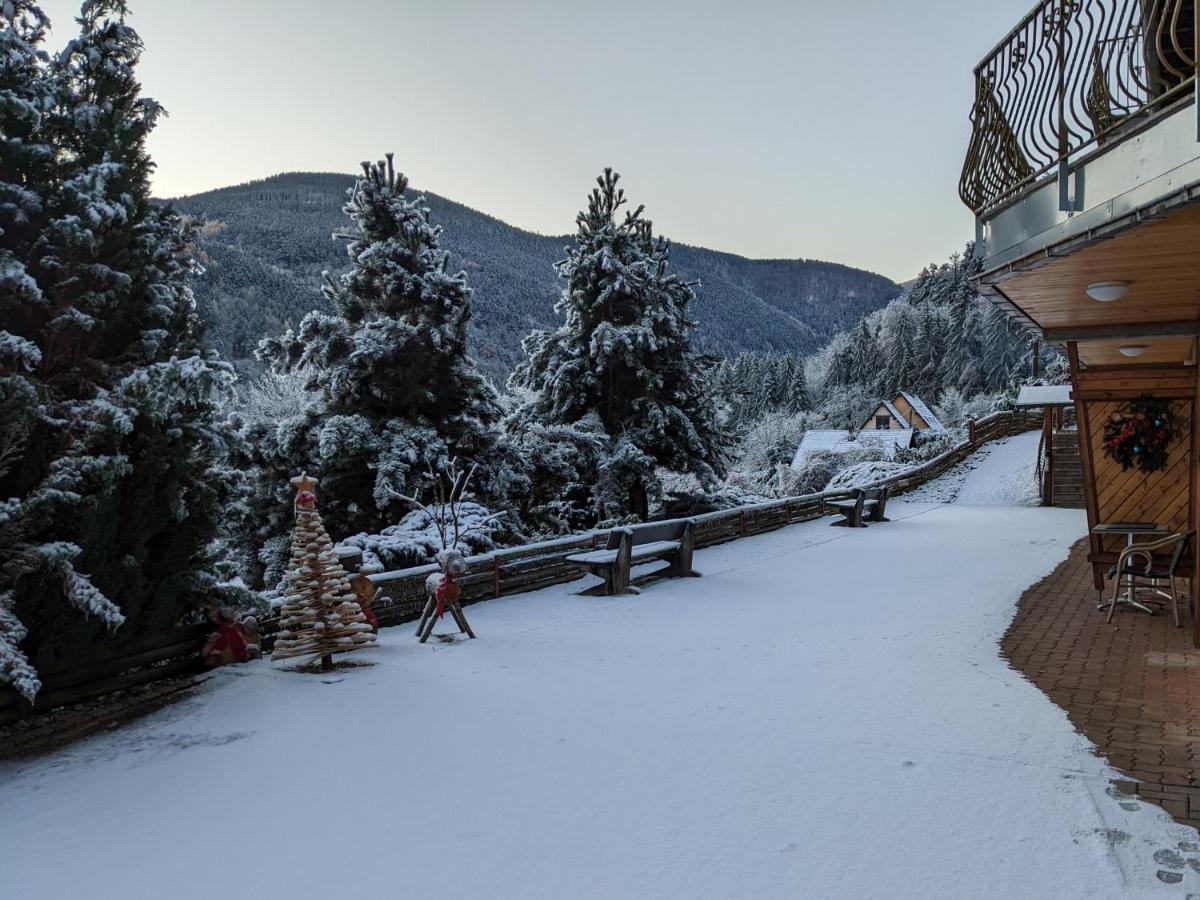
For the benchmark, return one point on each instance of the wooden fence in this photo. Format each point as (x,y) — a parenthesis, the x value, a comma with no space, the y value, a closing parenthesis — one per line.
(499,573)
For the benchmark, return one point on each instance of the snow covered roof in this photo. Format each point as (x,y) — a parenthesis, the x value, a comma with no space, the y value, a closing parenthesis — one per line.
(891,408)
(1045,395)
(889,439)
(838,441)
(923,411)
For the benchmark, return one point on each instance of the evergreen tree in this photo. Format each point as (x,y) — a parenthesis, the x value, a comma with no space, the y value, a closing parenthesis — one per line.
(930,351)
(798,400)
(398,393)
(115,398)
(623,356)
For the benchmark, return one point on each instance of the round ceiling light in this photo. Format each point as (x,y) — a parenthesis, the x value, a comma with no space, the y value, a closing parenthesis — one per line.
(1107,291)
(1132,349)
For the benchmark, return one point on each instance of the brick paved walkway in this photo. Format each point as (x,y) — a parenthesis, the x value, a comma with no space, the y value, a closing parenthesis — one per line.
(1132,687)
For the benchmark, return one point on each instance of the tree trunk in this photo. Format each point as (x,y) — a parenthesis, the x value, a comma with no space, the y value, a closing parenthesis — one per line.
(639,502)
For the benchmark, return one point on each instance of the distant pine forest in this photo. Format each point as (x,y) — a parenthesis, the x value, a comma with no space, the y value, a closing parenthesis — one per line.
(265,244)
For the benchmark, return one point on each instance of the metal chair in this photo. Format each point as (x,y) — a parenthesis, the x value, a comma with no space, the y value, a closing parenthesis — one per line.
(1138,566)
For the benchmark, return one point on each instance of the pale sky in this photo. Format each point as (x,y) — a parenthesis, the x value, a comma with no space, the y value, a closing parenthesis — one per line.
(829,130)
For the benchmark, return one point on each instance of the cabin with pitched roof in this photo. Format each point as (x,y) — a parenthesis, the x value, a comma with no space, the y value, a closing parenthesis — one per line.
(903,412)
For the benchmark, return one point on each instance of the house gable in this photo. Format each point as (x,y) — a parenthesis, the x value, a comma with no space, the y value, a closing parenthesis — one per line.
(874,422)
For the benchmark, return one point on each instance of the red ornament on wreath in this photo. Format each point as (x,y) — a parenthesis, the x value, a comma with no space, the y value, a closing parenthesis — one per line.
(1140,433)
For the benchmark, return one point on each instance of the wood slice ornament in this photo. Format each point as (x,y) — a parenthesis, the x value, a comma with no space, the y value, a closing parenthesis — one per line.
(321,615)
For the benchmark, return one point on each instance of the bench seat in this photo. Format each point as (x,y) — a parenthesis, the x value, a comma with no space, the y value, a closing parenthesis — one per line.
(852,504)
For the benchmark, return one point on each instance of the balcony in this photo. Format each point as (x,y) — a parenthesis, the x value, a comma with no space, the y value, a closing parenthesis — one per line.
(1085,120)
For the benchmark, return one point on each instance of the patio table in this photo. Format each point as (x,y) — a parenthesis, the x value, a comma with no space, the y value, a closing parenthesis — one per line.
(1129,529)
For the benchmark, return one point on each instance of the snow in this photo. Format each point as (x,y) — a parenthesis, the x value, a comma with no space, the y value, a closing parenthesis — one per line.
(761,731)
(865,473)
(1044,395)
(838,441)
(999,473)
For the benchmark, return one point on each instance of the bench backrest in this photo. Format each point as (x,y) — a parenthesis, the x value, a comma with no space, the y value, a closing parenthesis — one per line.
(659,531)
(614,538)
(648,533)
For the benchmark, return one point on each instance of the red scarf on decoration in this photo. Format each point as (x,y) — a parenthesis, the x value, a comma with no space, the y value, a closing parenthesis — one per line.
(231,641)
(447,592)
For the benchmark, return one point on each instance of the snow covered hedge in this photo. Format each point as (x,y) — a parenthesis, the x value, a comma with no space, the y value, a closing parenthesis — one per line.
(414,540)
(864,473)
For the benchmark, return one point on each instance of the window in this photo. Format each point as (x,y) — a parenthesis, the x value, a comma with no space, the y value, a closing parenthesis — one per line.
(883,423)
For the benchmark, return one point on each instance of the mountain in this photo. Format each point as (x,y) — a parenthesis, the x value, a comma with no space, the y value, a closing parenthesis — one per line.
(264,245)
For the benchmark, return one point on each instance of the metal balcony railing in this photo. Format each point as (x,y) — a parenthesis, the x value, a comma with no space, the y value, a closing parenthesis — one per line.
(1072,75)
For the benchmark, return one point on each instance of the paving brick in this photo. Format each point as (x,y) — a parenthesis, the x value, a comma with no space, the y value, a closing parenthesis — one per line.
(1133,687)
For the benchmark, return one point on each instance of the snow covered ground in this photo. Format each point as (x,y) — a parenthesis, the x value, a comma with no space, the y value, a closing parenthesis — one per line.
(823,714)
(1000,473)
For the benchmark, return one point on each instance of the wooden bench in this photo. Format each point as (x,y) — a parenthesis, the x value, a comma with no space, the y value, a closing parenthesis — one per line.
(673,542)
(867,505)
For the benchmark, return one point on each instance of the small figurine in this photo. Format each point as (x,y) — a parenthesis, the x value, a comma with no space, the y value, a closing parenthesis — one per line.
(442,592)
(234,641)
(364,592)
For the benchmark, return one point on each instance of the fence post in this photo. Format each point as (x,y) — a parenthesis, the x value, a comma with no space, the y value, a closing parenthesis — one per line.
(496,576)
(971,431)
(742,522)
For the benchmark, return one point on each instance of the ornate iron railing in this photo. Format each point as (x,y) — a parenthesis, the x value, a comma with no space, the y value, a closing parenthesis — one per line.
(1072,75)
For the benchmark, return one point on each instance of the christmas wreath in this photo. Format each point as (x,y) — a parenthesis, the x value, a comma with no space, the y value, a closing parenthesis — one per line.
(1140,433)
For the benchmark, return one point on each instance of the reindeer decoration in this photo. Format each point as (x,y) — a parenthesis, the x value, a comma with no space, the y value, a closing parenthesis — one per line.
(442,590)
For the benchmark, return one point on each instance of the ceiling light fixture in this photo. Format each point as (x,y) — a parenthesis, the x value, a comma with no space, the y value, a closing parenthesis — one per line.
(1107,291)
(1132,349)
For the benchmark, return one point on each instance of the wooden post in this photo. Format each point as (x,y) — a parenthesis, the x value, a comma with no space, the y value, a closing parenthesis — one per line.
(327,663)
(1048,441)
(971,432)
(496,572)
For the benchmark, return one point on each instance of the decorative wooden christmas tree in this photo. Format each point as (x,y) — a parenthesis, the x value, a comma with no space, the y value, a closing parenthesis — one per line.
(320,614)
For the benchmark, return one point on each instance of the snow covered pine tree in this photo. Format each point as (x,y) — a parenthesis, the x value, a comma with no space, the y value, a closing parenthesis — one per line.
(398,394)
(103,381)
(321,614)
(622,360)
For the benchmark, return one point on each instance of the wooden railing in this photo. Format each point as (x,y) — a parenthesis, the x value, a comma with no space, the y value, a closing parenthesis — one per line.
(535,566)
(499,573)
(1068,77)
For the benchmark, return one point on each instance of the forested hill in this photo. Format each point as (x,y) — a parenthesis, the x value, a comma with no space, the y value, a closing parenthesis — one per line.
(266,243)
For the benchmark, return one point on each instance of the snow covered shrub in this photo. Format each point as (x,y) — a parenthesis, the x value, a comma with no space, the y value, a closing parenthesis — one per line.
(864,473)
(930,447)
(681,504)
(767,445)
(810,478)
(416,539)
(820,467)
(273,397)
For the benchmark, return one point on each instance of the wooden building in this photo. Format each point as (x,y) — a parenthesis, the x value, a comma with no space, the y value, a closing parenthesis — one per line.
(904,411)
(1083,172)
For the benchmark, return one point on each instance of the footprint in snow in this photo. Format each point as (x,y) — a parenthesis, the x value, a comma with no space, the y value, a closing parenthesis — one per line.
(1174,862)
